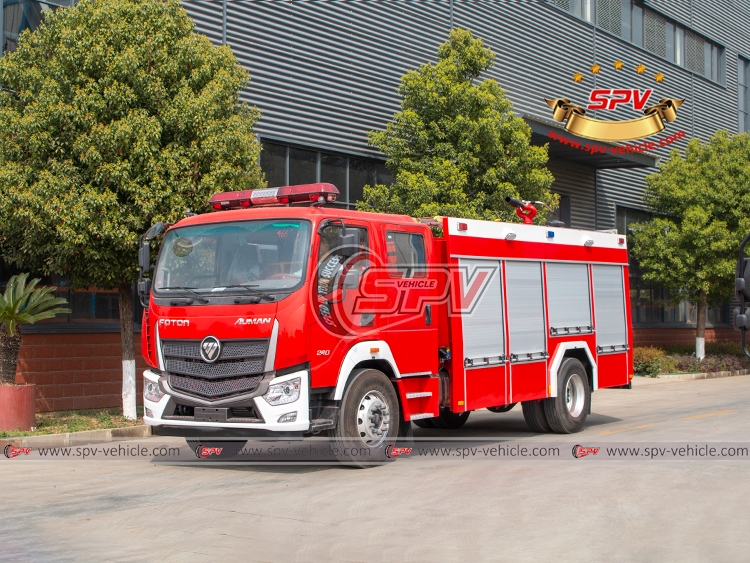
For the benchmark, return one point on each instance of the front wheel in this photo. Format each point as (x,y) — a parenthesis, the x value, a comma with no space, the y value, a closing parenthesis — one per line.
(368,421)
(567,412)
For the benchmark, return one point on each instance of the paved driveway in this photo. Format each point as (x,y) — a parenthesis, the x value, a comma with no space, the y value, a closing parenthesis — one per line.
(578,510)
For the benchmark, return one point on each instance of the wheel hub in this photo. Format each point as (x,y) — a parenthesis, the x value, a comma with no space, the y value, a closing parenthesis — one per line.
(574,395)
(373,419)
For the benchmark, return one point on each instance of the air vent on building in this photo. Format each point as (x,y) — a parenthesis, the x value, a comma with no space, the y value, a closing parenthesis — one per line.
(609,15)
(655,32)
(694,58)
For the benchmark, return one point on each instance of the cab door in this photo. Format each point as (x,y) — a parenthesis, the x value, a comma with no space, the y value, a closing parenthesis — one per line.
(411,323)
(336,283)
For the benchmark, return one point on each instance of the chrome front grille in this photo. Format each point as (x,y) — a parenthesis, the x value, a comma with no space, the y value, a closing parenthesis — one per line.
(238,368)
(214,371)
(210,389)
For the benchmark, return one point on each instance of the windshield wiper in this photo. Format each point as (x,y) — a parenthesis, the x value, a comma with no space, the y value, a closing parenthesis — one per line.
(189,290)
(252,288)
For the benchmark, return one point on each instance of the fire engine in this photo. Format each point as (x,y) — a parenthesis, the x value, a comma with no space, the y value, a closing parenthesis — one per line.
(280,314)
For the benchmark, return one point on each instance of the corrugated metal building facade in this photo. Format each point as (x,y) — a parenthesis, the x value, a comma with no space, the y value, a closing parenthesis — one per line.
(325,72)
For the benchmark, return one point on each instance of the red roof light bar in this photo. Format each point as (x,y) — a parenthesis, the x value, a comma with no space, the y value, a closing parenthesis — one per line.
(274,196)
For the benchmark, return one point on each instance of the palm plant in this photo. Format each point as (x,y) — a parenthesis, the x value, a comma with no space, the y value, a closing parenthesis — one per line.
(22,303)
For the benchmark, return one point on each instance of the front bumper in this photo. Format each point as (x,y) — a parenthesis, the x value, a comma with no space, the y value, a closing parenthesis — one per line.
(269,426)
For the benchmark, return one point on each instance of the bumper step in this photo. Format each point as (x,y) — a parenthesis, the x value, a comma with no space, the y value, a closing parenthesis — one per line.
(419,416)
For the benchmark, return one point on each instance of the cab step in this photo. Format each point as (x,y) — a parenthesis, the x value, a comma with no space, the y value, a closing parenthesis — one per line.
(422,415)
(320,424)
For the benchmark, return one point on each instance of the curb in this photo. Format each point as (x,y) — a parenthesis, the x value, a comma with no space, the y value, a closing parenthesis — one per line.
(78,438)
(708,375)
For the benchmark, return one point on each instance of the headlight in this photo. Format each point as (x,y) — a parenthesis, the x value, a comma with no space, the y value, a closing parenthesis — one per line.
(283,393)
(151,391)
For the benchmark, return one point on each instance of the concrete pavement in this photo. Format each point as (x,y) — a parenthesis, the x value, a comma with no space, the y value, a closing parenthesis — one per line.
(412,510)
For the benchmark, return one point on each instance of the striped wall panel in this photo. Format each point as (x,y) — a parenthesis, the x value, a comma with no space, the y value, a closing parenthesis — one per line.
(578,182)
(324,72)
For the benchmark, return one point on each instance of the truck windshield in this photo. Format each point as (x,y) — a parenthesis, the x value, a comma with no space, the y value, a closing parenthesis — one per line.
(264,255)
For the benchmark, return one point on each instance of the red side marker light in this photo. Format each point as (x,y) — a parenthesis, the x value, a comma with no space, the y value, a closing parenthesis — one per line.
(463,227)
(621,240)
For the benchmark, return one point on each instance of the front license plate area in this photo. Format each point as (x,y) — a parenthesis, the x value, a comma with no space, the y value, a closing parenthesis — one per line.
(211,414)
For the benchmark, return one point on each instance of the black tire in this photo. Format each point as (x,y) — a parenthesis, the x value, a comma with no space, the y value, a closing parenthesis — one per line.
(503,408)
(229,448)
(533,414)
(567,412)
(424,423)
(370,391)
(449,420)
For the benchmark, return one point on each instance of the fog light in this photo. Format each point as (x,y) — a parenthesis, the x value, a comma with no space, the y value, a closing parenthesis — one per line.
(149,413)
(283,393)
(151,391)
(288,417)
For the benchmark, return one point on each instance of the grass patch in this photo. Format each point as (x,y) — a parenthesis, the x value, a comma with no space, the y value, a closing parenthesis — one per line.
(76,421)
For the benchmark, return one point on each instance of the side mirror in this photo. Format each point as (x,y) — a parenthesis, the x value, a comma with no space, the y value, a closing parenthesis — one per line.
(153,231)
(742,283)
(144,257)
(144,287)
(348,242)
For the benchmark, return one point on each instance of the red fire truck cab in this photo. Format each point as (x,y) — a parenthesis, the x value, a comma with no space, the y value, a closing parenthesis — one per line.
(271,318)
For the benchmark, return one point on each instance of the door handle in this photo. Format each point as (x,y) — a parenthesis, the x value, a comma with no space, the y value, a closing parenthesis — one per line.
(428,315)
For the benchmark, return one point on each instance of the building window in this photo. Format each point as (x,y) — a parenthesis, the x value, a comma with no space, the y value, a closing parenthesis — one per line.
(20,15)
(652,31)
(743,73)
(286,165)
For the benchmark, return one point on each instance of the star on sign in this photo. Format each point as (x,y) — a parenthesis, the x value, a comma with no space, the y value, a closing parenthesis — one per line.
(618,64)
(578,77)
(595,68)
(641,68)
(659,77)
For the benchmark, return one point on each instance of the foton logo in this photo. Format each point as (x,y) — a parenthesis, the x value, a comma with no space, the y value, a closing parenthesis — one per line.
(254,321)
(174,322)
(579,451)
(11,451)
(610,99)
(204,452)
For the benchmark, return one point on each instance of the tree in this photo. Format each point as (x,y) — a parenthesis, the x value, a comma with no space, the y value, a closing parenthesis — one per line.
(456,148)
(702,204)
(115,115)
(22,303)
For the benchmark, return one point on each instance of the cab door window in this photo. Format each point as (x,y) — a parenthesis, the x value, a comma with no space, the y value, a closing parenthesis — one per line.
(406,254)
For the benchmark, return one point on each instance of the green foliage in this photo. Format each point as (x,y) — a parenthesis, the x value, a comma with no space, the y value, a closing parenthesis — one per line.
(120,116)
(26,303)
(703,203)
(456,148)
(648,360)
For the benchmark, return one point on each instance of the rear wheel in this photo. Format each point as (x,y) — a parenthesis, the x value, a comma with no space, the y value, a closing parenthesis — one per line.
(533,414)
(368,421)
(567,412)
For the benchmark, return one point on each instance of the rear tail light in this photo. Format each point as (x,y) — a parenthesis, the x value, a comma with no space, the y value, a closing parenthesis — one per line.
(324,193)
